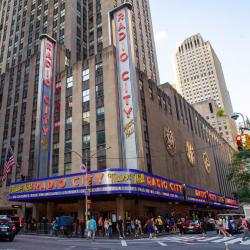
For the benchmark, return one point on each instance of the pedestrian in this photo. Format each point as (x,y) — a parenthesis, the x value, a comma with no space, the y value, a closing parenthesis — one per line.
(100,226)
(82,228)
(120,227)
(204,224)
(225,226)
(136,227)
(106,227)
(159,224)
(110,228)
(128,226)
(245,225)
(92,228)
(132,226)
(150,227)
(140,227)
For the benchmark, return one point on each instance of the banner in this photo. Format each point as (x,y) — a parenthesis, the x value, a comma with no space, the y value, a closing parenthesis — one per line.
(44,106)
(127,86)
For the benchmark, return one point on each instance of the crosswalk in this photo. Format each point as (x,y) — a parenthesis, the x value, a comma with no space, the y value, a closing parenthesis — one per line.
(208,239)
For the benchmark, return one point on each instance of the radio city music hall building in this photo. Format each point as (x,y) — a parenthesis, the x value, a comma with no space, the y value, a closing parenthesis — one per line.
(148,152)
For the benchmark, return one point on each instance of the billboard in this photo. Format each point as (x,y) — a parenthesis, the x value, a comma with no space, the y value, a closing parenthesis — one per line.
(116,181)
(44,106)
(110,181)
(127,88)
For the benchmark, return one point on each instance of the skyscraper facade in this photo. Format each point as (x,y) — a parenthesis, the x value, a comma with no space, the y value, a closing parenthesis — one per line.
(199,73)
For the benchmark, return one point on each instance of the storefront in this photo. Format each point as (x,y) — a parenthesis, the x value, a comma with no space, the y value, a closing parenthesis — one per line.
(114,192)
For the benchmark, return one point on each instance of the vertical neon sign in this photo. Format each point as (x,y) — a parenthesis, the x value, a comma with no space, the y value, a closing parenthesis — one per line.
(126,85)
(44,109)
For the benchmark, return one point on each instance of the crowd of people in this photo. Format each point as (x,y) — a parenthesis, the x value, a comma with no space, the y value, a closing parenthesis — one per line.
(136,227)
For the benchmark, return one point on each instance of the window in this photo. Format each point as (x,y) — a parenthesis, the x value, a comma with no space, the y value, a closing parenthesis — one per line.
(85,75)
(100,137)
(100,113)
(85,117)
(85,95)
(69,82)
(86,141)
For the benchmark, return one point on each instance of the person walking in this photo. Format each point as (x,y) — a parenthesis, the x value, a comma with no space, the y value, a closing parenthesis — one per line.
(110,231)
(100,226)
(245,225)
(106,227)
(120,227)
(128,226)
(92,228)
(150,226)
(204,224)
(159,224)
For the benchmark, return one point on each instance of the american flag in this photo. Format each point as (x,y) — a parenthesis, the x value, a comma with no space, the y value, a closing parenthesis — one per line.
(9,163)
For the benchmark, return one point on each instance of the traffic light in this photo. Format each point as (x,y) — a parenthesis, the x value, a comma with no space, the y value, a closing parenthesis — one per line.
(247,141)
(239,142)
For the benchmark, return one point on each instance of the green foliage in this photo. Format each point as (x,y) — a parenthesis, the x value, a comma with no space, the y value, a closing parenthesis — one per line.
(220,112)
(239,173)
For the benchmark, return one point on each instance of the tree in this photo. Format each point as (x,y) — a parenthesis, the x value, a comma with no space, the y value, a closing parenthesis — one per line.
(239,173)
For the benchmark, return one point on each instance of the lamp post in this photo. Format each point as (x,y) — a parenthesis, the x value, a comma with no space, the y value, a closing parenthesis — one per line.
(86,178)
(235,116)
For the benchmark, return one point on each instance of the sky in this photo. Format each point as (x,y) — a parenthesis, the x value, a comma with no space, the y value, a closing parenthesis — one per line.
(225,23)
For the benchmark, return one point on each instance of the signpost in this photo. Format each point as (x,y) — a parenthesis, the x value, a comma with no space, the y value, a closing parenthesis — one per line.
(84,170)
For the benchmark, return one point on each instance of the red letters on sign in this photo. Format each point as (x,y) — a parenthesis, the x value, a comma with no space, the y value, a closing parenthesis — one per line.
(126,94)
(126,98)
(123,56)
(120,16)
(122,36)
(127,112)
(125,76)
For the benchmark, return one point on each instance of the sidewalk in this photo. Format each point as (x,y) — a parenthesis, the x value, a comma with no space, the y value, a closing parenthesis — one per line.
(114,236)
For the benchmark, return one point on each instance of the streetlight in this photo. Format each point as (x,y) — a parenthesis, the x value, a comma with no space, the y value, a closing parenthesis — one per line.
(86,177)
(235,116)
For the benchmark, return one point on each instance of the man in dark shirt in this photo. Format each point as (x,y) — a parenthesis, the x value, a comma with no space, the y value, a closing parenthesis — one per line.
(120,227)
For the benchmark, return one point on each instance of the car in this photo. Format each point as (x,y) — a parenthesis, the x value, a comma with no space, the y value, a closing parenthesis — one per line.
(192,226)
(7,229)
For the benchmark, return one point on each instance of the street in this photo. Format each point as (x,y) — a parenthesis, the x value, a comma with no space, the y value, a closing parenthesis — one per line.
(175,242)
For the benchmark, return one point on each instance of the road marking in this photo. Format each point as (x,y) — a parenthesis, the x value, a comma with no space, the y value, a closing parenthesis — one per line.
(247,242)
(234,240)
(124,243)
(161,243)
(211,238)
(223,239)
(69,248)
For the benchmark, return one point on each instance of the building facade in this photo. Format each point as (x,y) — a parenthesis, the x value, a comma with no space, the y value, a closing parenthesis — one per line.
(224,124)
(199,73)
(99,108)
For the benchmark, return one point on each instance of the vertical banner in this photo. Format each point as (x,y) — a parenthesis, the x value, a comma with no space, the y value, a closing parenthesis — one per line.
(44,106)
(126,75)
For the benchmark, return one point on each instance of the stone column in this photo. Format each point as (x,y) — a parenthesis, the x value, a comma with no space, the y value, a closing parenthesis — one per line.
(120,209)
(50,210)
(81,210)
(35,211)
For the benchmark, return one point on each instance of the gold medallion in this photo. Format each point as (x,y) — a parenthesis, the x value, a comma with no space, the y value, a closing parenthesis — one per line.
(206,162)
(169,140)
(190,153)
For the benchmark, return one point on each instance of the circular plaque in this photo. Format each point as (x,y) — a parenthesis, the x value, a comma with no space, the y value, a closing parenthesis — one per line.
(206,162)
(169,140)
(190,153)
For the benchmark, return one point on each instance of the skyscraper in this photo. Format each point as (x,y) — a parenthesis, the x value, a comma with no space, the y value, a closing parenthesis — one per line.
(199,73)
(89,95)
(82,26)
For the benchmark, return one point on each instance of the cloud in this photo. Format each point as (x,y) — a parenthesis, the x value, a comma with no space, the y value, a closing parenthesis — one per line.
(160,36)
